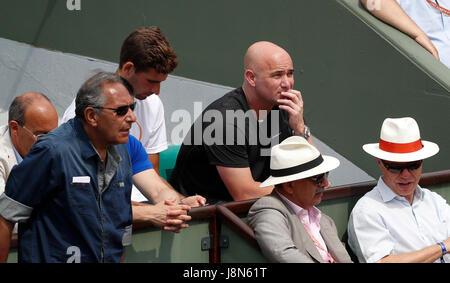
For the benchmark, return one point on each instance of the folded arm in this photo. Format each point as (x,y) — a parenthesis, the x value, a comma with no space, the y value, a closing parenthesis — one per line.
(157,189)
(240,183)
(427,255)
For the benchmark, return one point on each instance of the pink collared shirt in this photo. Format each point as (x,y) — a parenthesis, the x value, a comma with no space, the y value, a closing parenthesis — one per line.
(311,221)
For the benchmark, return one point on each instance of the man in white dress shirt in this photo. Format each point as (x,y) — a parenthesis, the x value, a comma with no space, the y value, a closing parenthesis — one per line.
(398,221)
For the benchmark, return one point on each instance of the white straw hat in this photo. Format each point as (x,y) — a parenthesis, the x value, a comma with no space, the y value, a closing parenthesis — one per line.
(400,141)
(294,159)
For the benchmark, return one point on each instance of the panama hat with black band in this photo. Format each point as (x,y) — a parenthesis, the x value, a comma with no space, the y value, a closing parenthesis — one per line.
(294,159)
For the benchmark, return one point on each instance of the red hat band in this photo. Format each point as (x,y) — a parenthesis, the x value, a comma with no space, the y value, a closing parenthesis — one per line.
(401,147)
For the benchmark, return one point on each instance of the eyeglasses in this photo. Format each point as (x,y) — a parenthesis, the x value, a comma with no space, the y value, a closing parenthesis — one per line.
(121,110)
(318,179)
(36,137)
(398,168)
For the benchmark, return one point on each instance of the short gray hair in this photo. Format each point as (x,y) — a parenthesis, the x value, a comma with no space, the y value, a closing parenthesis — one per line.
(91,92)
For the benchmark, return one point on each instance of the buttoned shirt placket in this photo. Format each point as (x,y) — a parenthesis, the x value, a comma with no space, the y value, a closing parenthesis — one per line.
(104,177)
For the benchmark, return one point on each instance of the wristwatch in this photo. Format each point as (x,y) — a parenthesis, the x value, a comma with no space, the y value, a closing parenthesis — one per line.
(306,134)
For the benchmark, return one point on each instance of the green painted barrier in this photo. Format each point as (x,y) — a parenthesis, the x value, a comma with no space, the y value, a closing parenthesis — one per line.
(167,160)
(154,245)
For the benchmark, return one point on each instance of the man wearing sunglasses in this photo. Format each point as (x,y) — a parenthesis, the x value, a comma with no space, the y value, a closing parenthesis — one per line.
(146,60)
(71,194)
(399,221)
(31,116)
(287,224)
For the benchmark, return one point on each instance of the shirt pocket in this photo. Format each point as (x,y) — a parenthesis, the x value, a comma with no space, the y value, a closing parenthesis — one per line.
(83,199)
(117,200)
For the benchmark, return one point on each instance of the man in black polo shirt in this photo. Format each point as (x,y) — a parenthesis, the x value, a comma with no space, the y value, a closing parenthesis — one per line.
(226,154)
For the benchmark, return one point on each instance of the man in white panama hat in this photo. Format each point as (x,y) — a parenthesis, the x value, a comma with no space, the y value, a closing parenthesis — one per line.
(398,221)
(287,225)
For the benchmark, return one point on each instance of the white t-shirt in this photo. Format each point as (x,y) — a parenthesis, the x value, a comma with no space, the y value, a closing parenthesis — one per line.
(150,126)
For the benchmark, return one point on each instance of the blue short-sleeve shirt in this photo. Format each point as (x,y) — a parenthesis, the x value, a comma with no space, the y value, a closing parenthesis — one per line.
(138,155)
(62,214)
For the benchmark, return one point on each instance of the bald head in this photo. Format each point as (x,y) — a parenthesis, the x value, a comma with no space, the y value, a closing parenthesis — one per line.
(261,53)
(30,115)
(268,72)
(21,103)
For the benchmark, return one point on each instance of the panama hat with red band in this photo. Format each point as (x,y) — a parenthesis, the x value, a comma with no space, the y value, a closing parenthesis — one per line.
(400,141)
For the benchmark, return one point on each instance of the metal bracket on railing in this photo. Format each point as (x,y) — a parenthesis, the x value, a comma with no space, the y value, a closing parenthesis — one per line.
(224,242)
(206,243)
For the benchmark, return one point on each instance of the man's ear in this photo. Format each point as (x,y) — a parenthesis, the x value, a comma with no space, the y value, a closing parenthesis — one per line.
(13,125)
(287,188)
(91,116)
(128,69)
(380,164)
(250,77)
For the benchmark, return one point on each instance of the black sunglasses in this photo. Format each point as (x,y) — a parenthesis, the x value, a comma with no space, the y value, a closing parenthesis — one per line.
(398,168)
(121,110)
(318,179)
